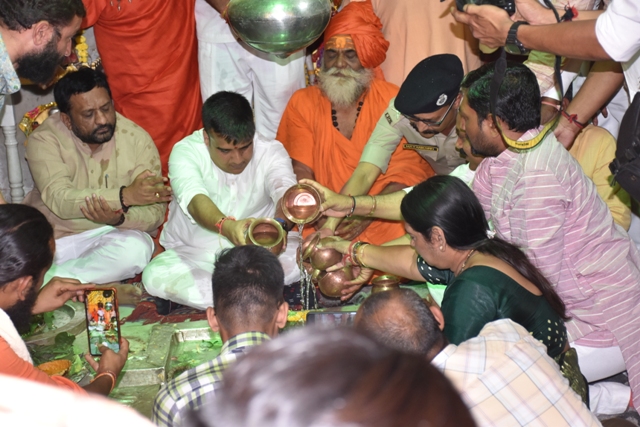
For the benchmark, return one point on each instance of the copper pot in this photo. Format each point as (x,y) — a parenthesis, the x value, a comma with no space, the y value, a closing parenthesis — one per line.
(268,233)
(385,283)
(332,283)
(321,258)
(301,204)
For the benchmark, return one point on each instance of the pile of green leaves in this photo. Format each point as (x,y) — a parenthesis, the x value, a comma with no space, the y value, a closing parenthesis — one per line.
(40,323)
(62,348)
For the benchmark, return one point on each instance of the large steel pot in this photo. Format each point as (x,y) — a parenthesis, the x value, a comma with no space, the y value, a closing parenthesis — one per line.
(279,26)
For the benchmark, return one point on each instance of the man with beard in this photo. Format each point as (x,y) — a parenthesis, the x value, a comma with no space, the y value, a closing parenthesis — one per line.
(325,128)
(97,179)
(26,251)
(424,113)
(35,35)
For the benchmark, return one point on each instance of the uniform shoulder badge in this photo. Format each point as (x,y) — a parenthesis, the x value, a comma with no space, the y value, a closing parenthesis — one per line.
(388,117)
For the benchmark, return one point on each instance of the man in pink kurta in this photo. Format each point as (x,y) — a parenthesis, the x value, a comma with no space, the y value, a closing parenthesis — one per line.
(540,200)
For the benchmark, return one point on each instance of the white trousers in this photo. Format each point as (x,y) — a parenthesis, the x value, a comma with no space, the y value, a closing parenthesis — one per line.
(103,255)
(265,80)
(183,274)
(606,398)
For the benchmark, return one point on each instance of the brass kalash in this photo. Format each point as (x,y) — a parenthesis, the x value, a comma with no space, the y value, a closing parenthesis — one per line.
(301,205)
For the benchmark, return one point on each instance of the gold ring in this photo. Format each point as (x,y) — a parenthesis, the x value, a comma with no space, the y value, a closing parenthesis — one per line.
(157,195)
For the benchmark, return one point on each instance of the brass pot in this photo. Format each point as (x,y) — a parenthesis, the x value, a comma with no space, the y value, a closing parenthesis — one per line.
(332,283)
(301,204)
(321,258)
(385,283)
(268,233)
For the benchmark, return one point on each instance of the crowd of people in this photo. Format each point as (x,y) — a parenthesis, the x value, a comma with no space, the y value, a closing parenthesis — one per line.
(434,163)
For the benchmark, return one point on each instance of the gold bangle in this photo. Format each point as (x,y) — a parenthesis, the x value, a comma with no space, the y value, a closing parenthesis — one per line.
(361,254)
(373,208)
(110,375)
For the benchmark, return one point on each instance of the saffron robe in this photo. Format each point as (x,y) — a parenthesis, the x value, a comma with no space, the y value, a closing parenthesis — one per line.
(307,132)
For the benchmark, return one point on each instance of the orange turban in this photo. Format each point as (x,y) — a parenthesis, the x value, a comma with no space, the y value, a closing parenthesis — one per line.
(359,21)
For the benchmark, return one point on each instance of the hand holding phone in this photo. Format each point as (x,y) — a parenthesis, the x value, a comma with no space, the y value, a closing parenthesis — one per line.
(103,320)
(110,360)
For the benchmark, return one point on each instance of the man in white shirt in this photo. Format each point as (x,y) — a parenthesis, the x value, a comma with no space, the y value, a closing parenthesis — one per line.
(227,63)
(223,177)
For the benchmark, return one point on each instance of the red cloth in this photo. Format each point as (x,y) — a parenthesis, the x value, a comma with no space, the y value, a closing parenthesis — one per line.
(359,21)
(309,136)
(12,364)
(150,55)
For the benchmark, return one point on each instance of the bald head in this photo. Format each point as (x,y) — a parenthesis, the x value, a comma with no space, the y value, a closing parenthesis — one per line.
(401,320)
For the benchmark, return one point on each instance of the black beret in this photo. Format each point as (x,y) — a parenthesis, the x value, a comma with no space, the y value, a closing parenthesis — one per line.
(433,83)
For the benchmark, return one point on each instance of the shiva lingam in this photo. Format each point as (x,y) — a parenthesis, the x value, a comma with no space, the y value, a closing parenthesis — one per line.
(268,233)
(301,204)
(385,283)
(279,26)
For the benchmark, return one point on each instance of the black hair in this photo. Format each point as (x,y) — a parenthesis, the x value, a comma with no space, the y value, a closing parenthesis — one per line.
(25,243)
(248,285)
(18,15)
(518,103)
(229,114)
(316,377)
(417,332)
(82,81)
(445,201)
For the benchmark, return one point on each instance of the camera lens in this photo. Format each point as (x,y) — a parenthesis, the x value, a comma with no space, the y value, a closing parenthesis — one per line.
(106,294)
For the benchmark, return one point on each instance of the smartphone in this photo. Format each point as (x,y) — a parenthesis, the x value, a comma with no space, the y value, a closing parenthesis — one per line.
(334,318)
(103,319)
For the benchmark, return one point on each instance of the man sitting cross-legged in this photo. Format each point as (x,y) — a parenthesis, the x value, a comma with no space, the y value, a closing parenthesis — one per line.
(504,374)
(224,176)
(325,128)
(248,309)
(97,180)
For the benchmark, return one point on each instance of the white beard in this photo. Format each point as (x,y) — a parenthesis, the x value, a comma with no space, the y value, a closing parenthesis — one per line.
(345,90)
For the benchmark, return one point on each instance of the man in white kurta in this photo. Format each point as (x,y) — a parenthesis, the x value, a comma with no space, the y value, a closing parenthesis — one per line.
(183,272)
(229,64)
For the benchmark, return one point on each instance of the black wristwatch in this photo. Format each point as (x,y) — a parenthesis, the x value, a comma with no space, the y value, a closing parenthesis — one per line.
(513,45)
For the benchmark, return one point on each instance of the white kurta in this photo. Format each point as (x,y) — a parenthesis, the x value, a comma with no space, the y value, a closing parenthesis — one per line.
(183,272)
(227,64)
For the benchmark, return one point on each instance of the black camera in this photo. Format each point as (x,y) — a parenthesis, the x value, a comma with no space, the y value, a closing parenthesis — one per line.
(107,294)
(507,5)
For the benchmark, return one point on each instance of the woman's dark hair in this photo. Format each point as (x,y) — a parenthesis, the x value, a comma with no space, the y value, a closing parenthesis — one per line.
(447,202)
(18,15)
(25,243)
(229,114)
(518,102)
(82,81)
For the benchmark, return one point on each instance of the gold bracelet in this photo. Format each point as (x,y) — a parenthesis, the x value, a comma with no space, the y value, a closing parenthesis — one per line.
(110,375)
(361,254)
(373,208)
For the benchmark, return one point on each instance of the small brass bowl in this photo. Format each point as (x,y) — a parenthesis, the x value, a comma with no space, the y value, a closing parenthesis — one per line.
(268,233)
(385,283)
(301,204)
(332,283)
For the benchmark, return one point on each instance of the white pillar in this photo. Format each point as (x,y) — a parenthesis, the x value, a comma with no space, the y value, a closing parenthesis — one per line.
(14,168)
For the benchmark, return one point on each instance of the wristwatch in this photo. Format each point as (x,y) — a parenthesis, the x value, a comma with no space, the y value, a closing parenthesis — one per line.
(513,45)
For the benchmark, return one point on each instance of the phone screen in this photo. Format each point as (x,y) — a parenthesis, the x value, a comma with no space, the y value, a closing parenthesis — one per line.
(103,320)
(342,318)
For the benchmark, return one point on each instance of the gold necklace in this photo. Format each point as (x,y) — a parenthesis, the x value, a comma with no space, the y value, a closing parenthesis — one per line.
(464,264)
